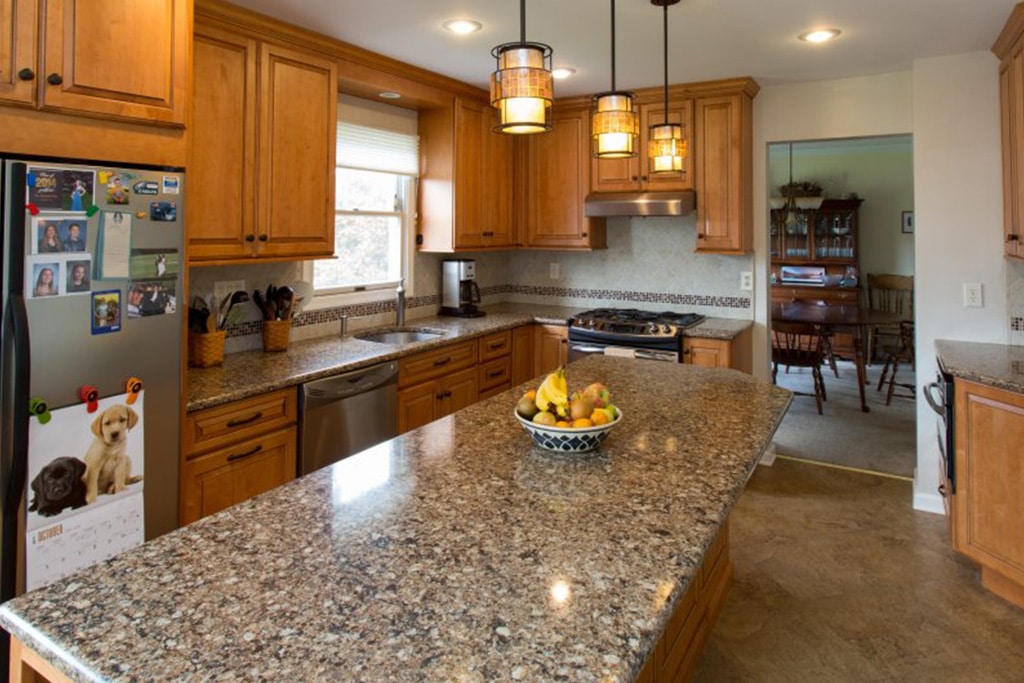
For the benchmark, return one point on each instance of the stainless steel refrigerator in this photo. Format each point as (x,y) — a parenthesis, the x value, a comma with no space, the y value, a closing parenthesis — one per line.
(109,310)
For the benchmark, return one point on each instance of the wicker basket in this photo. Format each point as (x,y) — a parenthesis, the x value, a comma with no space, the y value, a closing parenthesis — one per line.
(275,334)
(206,350)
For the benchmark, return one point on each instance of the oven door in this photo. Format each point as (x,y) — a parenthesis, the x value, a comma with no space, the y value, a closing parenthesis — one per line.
(940,397)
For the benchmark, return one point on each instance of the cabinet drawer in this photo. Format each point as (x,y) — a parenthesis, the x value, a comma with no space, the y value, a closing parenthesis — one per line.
(223,425)
(495,346)
(490,375)
(224,477)
(715,553)
(433,364)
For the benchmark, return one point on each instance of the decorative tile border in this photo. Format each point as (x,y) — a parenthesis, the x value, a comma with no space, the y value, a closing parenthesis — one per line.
(1017,324)
(333,315)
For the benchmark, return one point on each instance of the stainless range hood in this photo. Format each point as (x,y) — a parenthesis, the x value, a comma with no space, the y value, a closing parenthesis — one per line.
(640,204)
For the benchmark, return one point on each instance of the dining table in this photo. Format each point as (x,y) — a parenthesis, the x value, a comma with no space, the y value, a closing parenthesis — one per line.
(847,317)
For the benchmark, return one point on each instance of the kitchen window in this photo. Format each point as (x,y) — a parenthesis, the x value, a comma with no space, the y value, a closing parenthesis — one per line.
(375,185)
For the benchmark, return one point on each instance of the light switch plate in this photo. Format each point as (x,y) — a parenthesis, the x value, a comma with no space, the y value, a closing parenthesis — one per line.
(973,297)
(746,280)
(554,271)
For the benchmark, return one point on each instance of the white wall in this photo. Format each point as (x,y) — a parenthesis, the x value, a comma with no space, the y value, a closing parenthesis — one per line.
(958,192)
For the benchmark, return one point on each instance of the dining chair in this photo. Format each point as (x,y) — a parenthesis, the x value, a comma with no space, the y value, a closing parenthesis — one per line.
(827,335)
(902,351)
(892,294)
(799,345)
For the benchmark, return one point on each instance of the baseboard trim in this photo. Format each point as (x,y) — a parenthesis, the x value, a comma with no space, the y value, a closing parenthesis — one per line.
(929,502)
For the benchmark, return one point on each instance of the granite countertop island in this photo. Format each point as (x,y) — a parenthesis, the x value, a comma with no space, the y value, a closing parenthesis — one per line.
(997,365)
(456,552)
(254,372)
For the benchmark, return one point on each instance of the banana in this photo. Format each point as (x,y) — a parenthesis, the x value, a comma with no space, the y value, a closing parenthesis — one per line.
(553,394)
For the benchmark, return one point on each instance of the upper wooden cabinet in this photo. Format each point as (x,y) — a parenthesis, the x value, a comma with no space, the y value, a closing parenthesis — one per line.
(556,178)
(123,60)
(262,149)
(466,179)
(1009,47)
(633,174)
(724,182)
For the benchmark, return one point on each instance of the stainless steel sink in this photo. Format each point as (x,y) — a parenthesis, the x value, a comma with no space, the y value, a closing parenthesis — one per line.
(399,336)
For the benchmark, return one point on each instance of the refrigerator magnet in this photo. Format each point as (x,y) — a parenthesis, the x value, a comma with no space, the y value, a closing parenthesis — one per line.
(171,184)
(78,278)
(55,233)
(77,188)
(166,212)
(106,311)
(43,275)
(44,188)
(147,264)
(118,191)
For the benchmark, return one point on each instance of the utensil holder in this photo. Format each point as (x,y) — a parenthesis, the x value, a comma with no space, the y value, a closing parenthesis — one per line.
(276,334)
(206,350)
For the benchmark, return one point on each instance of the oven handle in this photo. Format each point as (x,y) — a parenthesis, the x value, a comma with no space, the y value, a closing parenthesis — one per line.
(647,354)
(586,349)
(930,398)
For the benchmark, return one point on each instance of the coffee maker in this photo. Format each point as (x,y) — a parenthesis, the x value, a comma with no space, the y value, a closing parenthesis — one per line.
(459,291)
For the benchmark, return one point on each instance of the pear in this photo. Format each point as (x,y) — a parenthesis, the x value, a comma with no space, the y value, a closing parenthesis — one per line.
(527,408)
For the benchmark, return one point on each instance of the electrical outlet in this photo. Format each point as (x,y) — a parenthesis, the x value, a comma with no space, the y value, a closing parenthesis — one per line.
(554,271)
(225,287)
(746,280)
(973,295)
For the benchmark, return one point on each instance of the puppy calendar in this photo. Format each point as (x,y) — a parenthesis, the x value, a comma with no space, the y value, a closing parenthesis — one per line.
(85,496)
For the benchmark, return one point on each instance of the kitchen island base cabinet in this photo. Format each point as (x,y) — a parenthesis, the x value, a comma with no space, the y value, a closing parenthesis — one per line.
(988,506)
(236,451)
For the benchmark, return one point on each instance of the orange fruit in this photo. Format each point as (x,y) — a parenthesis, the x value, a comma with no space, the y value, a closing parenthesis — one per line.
(562,423)
(582,422)
(599,417)
(531,394)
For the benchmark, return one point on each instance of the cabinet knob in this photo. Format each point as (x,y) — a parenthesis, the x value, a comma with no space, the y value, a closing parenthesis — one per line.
(700,235)
(1013,238)
(264,237)
(643,178)
(635,178)
(583,234)
(54,79)
(26,74)
(250,238)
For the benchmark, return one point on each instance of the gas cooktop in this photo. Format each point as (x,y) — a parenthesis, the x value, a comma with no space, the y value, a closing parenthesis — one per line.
(633,321)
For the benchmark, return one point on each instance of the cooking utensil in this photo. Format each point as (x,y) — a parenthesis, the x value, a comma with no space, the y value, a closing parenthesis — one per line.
(283,302)
(265,307)
(235,298)
(303,296)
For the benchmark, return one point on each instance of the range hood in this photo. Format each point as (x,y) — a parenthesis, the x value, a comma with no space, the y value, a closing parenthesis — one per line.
(640,204)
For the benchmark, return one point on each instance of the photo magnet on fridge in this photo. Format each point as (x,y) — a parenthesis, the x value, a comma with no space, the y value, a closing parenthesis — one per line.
(118,191)
(151,297)
(77,189)
(106,311)
(163,211)
(153,263)
(42,275)
(78,280)
(44,188)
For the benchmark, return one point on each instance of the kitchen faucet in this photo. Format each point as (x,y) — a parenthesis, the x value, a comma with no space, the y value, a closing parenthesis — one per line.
(400,303)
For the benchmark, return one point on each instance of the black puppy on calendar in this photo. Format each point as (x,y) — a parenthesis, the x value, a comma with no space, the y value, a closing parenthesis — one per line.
(58,486)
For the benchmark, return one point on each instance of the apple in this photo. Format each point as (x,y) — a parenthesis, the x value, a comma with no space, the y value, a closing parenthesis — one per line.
(599,393)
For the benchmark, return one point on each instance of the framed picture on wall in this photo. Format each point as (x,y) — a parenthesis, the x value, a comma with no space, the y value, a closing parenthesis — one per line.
(908,222)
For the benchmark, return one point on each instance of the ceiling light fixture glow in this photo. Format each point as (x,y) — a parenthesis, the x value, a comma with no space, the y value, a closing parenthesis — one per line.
(821,35)
(389,95)
(462,26)
(563,72)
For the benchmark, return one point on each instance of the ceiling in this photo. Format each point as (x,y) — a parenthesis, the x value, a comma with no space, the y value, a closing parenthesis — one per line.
(708,39)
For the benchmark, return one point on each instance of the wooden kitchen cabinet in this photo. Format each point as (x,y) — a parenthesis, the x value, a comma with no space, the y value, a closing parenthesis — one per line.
(436,383)
(523,363)
(551,348)
(556,181)
(466,180)
(735,353)
(125,60)
(988,506)
(494,373)
(1009,48)
(632,174)
(724,171)
(236,451)
(262,149)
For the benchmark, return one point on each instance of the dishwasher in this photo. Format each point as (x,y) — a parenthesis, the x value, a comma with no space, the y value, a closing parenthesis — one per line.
(344,414)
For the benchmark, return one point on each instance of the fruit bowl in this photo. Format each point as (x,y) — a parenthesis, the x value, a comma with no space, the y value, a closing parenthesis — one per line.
(567,439)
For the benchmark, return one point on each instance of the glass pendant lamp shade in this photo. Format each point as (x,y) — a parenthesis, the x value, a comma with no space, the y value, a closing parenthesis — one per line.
(522,86)
(666,145)
(614,121)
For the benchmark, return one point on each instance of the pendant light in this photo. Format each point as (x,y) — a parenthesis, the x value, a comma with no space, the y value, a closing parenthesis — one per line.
(666,146)
(522,87)
(614,123)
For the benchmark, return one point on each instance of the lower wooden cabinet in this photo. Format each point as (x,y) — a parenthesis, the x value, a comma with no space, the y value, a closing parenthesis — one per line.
(523,368)
(236,451)
(551,348)
(988,506)
(735,353)
(425,402)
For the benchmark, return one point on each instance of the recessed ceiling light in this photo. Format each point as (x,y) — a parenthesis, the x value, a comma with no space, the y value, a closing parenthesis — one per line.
(462,25)
(389,95)
(561,72)
(820,35)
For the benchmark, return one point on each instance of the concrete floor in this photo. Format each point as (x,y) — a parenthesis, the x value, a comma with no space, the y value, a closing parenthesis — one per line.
(838,579)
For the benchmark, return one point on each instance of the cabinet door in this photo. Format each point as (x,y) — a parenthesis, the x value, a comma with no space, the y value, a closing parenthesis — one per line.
(297,130)
(416,405)
(551,348)
(678,112)
(459,390)
(117,59)
(522,354)
(1011,90)
(497,209)
(470,122)
(220,479)
(706,353)
(989,500)
(724,154)
(18,77)
(222,167)
(558,173)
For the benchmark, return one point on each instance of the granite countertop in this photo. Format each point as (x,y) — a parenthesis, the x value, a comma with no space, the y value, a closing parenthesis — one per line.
(456,552)
(997,365)
(251,373)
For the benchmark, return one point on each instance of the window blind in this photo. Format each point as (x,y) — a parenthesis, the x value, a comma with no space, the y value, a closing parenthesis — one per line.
(373,149)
